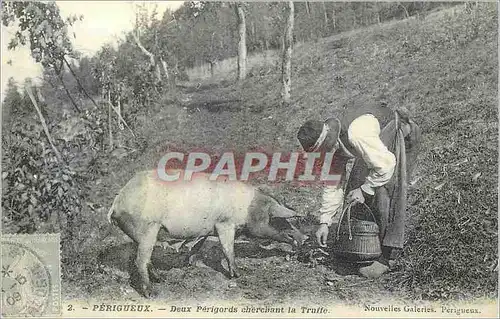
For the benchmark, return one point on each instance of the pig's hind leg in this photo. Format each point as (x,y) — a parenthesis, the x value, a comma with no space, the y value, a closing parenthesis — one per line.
(226,234)
(145,247)
(138,230)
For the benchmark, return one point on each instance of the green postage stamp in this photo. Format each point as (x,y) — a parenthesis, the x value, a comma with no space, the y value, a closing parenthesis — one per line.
(31,275)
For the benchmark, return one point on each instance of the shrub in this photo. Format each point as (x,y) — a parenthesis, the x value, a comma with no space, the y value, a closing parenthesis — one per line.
(40,194)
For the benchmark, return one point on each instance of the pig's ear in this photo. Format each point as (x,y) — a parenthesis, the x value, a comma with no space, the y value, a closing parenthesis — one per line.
(283,212)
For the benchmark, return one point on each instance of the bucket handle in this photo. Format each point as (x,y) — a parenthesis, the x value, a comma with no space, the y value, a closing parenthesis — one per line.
(371,212)
(348,209)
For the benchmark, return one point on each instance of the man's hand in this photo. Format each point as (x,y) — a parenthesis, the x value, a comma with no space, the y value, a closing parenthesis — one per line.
(356,196)
(322,235)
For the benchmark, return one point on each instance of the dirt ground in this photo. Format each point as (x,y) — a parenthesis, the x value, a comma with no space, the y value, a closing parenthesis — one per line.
(267,276)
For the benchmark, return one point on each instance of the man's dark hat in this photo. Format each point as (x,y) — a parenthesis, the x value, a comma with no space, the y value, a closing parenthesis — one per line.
(313,133)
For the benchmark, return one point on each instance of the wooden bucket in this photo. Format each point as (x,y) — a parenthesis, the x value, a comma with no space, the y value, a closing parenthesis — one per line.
(357,240)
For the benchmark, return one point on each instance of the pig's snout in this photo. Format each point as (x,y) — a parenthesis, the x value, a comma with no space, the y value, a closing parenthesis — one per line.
(294,237)
(298,237)
(303,240)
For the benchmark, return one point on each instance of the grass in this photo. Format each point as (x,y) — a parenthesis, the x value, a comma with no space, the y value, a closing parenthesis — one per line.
(222,68)
(443,68)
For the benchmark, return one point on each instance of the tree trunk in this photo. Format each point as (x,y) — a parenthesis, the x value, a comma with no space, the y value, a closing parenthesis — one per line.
(175,74)
(39,94)
(211,64)
(120,117)
(165,68)
(44,124)
(242,46)
(334,20)
(158,72)
(404,8)
(287,54)
(5,119)
(119,109)
(325,14)
(143,49)
(110,127)
(152,58)
(308,26)
(170,78)
(253,33)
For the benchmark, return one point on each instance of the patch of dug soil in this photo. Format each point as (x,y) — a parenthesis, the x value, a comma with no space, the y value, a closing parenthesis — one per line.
(267,276)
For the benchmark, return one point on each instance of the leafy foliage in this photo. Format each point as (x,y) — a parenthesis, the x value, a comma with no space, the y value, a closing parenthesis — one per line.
(12,105)
(40,194)
(40,24)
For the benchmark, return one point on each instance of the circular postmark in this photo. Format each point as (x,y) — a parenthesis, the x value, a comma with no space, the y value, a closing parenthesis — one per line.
(26,282)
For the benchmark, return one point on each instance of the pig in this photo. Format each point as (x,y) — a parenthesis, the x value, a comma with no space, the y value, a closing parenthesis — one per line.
(195,209)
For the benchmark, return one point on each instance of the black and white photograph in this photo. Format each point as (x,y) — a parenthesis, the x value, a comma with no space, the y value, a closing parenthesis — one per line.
(286,159)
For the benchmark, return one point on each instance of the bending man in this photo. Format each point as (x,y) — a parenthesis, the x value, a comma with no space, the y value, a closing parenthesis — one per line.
(384,145)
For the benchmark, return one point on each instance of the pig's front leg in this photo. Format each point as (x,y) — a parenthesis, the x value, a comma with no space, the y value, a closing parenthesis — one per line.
(191,259)
(226,232)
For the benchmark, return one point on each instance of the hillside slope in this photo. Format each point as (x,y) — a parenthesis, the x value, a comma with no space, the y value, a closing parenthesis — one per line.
(443,68)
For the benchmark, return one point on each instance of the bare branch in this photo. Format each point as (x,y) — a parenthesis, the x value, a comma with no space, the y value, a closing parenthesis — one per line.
(78,81)
(44,124)
(60,76)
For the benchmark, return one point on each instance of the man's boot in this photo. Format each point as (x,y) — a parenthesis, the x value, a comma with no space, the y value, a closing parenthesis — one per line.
(380,266)
(375,270)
